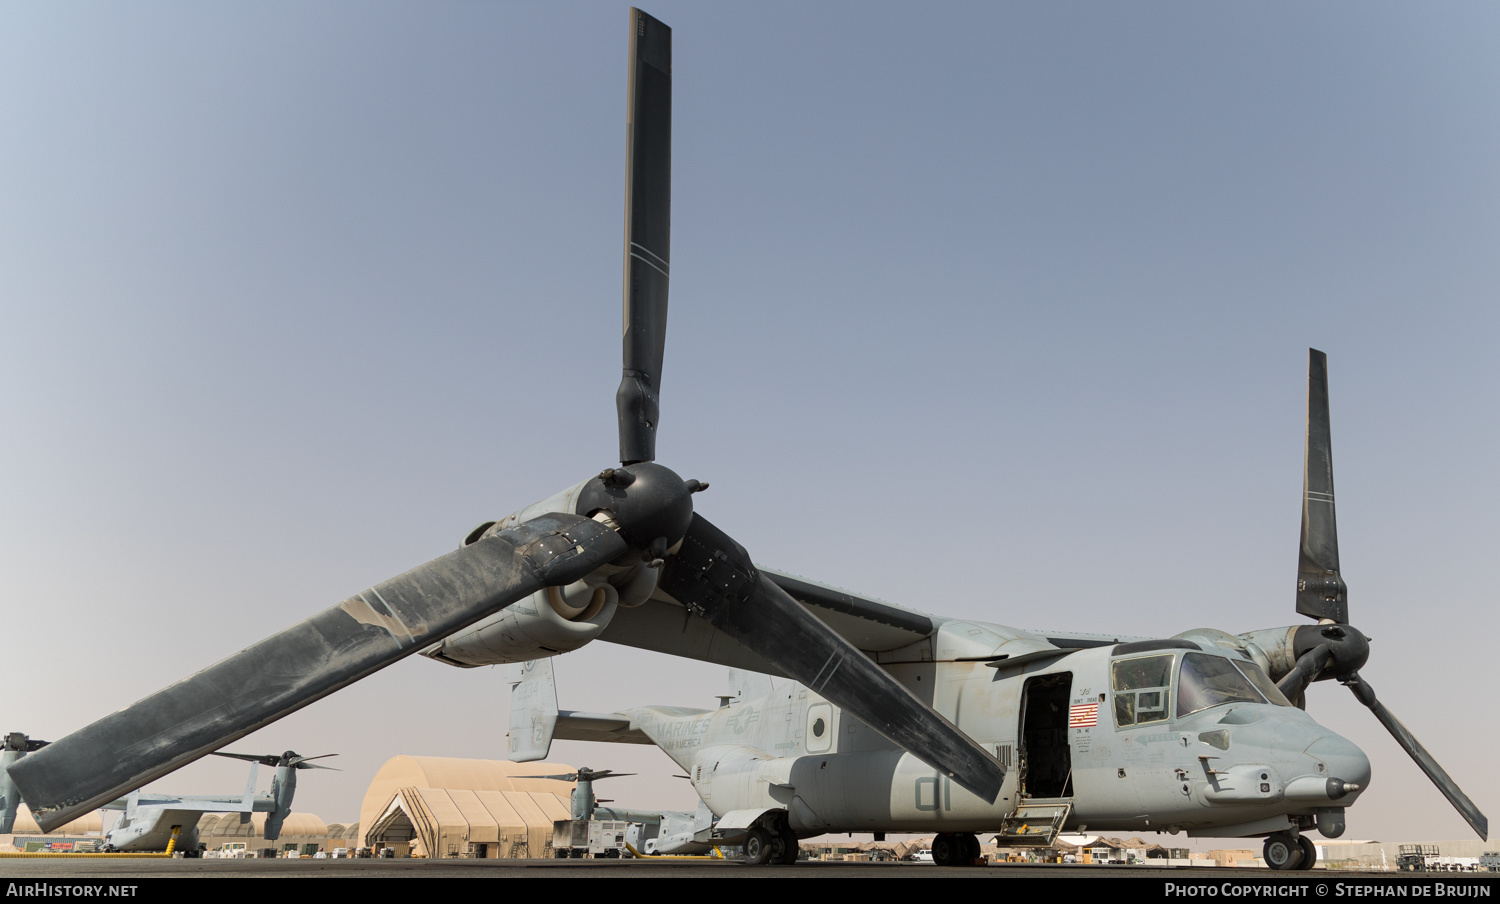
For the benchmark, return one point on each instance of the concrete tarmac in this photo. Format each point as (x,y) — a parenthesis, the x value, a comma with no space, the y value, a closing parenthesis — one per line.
(61,870)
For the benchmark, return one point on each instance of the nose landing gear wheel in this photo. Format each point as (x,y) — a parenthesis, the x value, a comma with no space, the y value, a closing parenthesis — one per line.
(1283,851)
(1309,852)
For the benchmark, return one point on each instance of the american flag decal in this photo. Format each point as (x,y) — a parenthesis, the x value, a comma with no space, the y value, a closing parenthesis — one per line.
(1083,715)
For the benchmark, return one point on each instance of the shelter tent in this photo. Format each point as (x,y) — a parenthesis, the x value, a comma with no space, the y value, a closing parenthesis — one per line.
(442,807)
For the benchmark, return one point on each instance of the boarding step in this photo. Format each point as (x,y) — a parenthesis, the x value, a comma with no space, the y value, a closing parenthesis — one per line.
(1035,823)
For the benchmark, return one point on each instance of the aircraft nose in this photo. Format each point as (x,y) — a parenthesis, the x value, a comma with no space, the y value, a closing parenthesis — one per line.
(1342,760)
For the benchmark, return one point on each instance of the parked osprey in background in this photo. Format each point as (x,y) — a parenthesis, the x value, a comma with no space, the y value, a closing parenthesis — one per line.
(159,822)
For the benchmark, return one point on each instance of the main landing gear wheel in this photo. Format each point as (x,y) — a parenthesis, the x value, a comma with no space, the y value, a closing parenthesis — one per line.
(1309,852)
(1283,851)
(758,847)
(971,846)
(945,849)
(955,849)
(784,847)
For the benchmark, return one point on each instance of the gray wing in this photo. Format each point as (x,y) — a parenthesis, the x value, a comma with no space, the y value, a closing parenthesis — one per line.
(870,625)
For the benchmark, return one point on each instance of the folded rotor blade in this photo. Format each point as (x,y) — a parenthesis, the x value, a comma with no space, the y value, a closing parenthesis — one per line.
(307,661)
(1418,753)
(648,234)
(713,576)
(1320,588)
(1304,672)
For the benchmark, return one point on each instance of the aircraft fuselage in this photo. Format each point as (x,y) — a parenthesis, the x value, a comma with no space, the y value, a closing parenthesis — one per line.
(1068,730)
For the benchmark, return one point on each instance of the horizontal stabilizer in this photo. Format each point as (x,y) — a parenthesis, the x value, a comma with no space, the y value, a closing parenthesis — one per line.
(613,728)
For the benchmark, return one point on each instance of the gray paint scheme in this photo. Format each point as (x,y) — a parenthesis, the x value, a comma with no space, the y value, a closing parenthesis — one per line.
(148,819)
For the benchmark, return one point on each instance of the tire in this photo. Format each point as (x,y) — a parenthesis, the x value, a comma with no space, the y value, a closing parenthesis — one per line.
(1309,852)
(947,850)
(758,846)
(1282,852)
(788,850)
(970,846)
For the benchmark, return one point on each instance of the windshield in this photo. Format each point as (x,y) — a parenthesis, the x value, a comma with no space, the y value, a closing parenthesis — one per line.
(1206,681)
(1263,683)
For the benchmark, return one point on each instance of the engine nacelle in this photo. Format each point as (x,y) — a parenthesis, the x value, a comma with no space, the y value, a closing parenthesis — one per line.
(554,620)
(551,621)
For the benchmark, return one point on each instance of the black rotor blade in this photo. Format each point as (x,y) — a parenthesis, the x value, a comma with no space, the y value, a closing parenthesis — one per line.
(713,576)
(307,661)
(1419,754)
(269,759)
(579,776)
(305,762)
(648,234)
(1320,587)
(273,759)
(1304,672)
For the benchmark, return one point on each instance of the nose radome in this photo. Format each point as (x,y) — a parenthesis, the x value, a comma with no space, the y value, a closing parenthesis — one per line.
(1345,761)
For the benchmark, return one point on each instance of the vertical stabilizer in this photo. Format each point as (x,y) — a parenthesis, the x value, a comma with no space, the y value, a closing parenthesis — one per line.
(12,747)
(533,711)
(10,798)
(283,788)
(746,685)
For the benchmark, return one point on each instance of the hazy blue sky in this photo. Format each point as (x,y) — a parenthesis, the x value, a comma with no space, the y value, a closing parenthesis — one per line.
(994,310)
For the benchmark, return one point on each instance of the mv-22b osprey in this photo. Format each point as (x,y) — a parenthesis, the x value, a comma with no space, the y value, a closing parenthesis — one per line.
(898,721)
(160,822)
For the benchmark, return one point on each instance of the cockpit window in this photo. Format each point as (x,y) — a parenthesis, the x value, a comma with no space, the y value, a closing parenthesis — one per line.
(1141,687)
(1263,683)
(1207,681)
